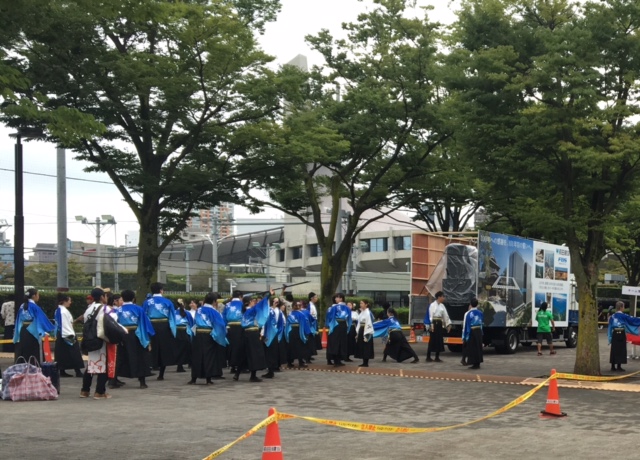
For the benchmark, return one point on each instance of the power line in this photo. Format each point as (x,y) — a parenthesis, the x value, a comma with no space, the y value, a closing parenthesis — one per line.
(55,177)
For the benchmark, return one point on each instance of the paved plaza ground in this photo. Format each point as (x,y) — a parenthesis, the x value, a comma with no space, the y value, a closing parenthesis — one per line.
(172,420)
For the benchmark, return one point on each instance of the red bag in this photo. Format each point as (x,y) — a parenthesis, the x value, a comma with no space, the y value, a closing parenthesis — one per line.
(32,386)
(112,350)
(46,349)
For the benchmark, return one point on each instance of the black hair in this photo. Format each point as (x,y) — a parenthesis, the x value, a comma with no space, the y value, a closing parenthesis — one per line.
(27,296)
(338,294)
(289,297)
(211,298)
(312,295)
(391,311)
(386,305)
(62,297)
(156,288)
(474,302)
(543,306)
(128,295)
(439,294)
(237,294)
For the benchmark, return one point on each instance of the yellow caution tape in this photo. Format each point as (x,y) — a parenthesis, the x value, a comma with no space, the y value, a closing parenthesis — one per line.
(592,378)
(358,426)
(267,421)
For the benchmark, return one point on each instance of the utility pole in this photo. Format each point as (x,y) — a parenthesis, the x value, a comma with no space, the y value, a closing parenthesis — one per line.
(187,251)
(214,254)
(63,269)
(108,220)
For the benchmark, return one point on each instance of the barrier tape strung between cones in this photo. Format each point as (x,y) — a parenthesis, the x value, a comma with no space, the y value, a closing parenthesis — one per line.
(390,429)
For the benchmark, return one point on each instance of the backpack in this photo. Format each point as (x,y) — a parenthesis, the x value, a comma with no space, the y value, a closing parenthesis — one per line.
(90,339)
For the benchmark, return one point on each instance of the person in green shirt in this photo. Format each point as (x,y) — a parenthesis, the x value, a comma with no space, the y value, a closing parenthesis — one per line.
(545,326)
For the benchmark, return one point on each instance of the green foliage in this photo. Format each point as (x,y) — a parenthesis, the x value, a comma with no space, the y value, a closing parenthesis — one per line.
(46,275)
(165,97)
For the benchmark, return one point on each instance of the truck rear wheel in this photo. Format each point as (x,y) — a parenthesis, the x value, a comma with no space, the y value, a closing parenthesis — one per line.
(510,343)
(571,337)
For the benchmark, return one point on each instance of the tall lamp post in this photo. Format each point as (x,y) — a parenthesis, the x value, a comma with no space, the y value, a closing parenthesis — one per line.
(267,252)
(107,220)
(18,223)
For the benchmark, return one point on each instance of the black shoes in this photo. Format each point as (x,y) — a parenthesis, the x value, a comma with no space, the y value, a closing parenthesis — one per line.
(415,360)
(255,379)
(348,360)
(338,364)
(363,365)
(268,375)
(438,360)
(429,359)
(475,366)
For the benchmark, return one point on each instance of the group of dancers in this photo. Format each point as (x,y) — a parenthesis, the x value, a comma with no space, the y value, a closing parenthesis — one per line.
(243,334)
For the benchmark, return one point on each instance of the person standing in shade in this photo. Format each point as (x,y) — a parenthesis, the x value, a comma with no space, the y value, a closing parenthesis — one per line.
(338,320)
(68,354)
(210,342)
(472,334)
(296,334)
(364,345)
(438,320)
(269,335)
(134,360)
(184,336)
(162,314)
(352,336)
(31,326)
(545,327)
(253,319)
(397,346)
(619,324)
(232,315)
(8,313)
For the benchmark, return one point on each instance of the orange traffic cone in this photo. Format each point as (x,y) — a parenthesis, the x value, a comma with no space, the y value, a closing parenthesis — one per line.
(552,408)
(272,449)
(324,339)
(412,336)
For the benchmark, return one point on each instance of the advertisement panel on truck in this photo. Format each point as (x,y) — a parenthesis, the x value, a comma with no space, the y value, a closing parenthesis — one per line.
(516,275)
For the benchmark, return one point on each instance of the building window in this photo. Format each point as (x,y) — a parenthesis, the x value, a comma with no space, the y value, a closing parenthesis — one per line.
(280,255)
(296,253)
(402,243)
(376,245)
(314,250)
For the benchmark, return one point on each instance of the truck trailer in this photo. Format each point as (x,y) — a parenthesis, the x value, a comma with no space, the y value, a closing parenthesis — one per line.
(509,275)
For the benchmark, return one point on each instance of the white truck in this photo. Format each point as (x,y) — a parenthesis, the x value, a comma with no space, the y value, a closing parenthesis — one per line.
(511,276)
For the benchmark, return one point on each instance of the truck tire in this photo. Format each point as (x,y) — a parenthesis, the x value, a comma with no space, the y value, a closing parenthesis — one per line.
(572,337)
(510,343)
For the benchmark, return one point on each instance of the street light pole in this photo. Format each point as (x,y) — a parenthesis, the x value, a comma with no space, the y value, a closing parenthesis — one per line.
(187,251)
(18,222)
(108,220)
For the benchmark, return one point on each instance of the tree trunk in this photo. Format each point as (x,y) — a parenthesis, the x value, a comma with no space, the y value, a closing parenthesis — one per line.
(332,270)
(588,350)
(148,254)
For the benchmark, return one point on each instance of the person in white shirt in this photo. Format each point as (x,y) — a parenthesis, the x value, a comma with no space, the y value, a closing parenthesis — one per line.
(97,360)
(8,314)
(364,345)
(352,335)
(439,319)
(68,355)
(313,300)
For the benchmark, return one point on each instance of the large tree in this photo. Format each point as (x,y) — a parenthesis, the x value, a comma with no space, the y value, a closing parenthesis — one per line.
(549,103)
(177,90)
(354,149)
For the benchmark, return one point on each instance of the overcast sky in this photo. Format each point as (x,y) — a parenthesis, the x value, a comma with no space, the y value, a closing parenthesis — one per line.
(283,39)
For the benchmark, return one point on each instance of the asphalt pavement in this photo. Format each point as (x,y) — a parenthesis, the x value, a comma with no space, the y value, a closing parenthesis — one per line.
(173,420)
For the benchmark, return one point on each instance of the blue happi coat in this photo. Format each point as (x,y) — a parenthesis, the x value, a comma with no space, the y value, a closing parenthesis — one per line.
(631,324)
(256,315)
(270,331)
(186,320)
(208,317)
(297,317)
(232,312)
(131,314)
(474,318)
(40,324)
(384,327)
(338,311)
(158,307)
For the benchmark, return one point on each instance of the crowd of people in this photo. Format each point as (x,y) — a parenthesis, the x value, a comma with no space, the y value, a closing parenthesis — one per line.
(245,334)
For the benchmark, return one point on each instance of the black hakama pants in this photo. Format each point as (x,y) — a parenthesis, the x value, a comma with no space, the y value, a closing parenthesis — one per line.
(297,348)
(272,355)
(337,343)
(398,347)
(235,347)
(436,338)
(28,345)
(364,350)
(473,351)
(352,338)
(163,345)
(254,358)
(283,352)
(133,360)
(618,353)
(318,340)
(183,346)
(68,356)
(207,356)
(311,346)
